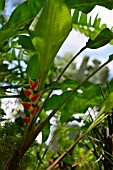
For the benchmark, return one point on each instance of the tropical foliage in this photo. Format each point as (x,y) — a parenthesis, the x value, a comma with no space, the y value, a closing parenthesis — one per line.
(31,73)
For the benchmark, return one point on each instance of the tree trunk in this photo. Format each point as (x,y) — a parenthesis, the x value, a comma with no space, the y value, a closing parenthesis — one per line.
(13,162)
(108,148)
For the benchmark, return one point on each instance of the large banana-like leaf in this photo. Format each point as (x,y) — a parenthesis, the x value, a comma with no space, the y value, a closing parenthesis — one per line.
(87,5)
(48,31)
(19,20)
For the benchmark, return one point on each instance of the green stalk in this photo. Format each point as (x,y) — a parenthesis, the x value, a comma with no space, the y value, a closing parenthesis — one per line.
(96,122)
(55,83)
(29,137)
(54,86)
(43,124)
(81,84)
(67,151)
(26,136)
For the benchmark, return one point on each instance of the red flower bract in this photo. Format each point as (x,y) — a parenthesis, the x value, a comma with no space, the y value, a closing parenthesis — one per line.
(35,98)
(32,111)
(26,105)
(31,83)
(34,86)
(26,120)
(27,92)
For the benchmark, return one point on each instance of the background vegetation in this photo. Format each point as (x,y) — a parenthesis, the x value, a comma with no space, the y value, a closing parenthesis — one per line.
(72,135)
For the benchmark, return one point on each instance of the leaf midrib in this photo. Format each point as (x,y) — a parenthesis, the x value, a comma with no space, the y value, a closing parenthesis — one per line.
(48,44)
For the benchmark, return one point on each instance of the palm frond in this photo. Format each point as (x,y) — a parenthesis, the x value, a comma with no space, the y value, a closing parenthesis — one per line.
(88,26)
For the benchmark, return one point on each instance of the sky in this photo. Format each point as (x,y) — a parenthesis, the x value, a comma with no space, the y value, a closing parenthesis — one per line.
(75,41)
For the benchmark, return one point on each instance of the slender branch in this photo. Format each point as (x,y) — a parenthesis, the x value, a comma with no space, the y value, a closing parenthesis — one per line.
(55,83)
(18,86)
(42,124)
(60,105)
(67,151)
(82,83)
(39,127)
(25,146)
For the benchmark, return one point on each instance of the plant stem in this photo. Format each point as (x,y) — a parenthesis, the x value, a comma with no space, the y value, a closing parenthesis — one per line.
(27,142)
(92,125)
(13,162)
(82,83)
(55,83)
(67,151)
(44,123)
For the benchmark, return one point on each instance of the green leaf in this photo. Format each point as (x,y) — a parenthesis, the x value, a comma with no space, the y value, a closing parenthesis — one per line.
(46,129)
(54,100)
(2,5)
(33,68)
(96,23)
(102,39)
(110,85)
(20,16)
(91,28)
(26,42)
(78,105)
(80,102)
(45,132)
(20,19)
(107,106)
(69,159)
(75,17)
(111,57)
(91,91)
(87,5)
(48,32)
(83,6)
(68,83)
(83,19)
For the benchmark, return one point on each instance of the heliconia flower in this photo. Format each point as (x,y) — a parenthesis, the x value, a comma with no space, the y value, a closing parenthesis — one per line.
(38,108)
(31,83)
(35,98)
(26,120)
(27,105)
(32,111)
(35,86)
(28,92)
